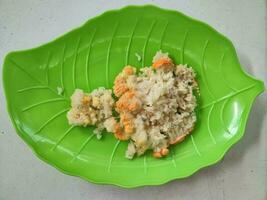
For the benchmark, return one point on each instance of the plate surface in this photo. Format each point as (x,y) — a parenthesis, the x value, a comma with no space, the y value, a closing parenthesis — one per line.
(91,56)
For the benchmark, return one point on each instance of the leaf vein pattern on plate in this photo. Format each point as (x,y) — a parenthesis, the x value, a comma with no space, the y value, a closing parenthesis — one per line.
(108,53)
(163,34)
(203,68)
(62,68)
(183,46)
(74,63)
(51,119)
(145,165)
(33,78)
(130,42)
(195,146)
(42,102)
(82,147)
(112,154)
(87,67)
(221,116)
(210,133)
(47,67)
(62,137)
(32,88)
(227,96)
(173,156)
(146,42)
(222,74)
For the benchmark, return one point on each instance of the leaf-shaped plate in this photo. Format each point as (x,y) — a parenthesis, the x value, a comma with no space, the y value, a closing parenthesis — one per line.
(91,56)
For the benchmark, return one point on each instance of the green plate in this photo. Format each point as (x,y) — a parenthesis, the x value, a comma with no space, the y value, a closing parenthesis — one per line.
(91,56)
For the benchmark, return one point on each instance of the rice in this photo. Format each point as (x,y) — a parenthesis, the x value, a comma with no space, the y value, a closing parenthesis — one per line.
(139,58)
(159,103)
(91,109)
(60,90)
(156,107)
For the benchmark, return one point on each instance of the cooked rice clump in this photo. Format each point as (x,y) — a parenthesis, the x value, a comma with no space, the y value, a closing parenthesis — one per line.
(155,107)
(91,109)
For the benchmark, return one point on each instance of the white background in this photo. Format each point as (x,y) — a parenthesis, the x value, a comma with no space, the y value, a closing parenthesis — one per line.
(241,175)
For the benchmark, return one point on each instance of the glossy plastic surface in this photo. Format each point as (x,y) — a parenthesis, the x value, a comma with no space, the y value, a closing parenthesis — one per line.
(91,56)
